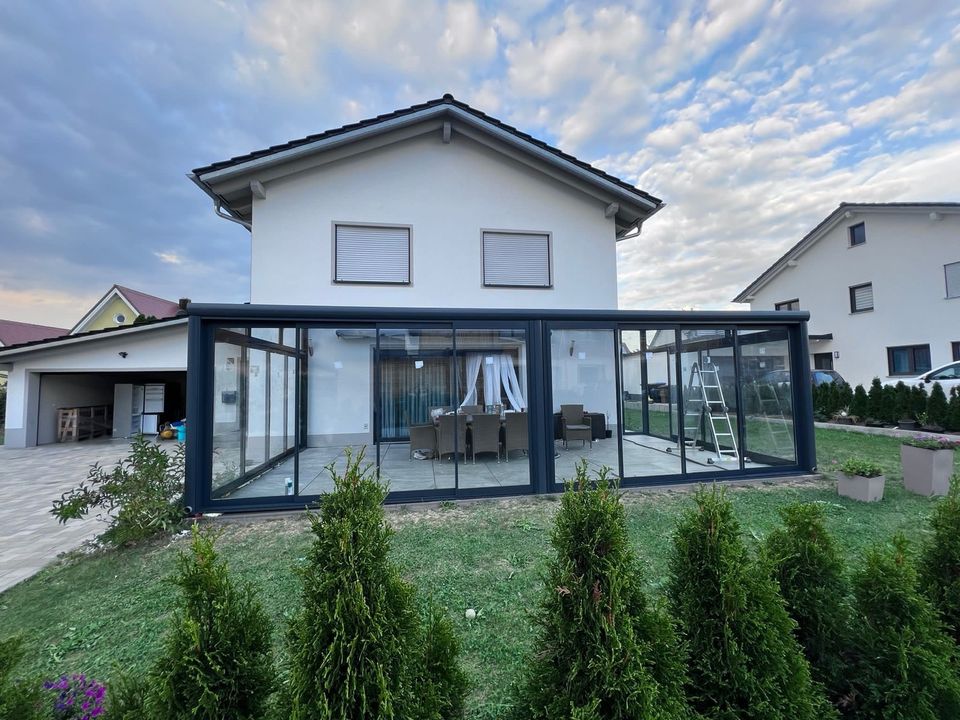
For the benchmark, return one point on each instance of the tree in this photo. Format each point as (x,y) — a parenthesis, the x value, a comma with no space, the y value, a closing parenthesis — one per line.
(356,645)
(844,396)
(745,663)
(19,699)
(875,409)
(918,401)
(216,663)
(806,563)
(953,414)
(602,651)
(939,562)
(937,407)
(906,665)
(858,406)
(903,406)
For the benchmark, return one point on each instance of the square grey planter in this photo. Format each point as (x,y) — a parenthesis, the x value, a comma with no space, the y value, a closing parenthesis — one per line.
(861,488)
(926,472)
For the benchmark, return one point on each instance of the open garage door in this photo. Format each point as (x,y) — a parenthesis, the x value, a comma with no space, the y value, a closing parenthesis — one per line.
(118,404)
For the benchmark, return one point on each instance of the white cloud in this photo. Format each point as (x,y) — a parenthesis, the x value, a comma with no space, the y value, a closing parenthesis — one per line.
(169,257)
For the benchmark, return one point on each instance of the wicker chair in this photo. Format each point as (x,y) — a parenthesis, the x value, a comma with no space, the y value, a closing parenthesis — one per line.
(516,435)
(449,432)
(485,435)
(423,437)
(574,425)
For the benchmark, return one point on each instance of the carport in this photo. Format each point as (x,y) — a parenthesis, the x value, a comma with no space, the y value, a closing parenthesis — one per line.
(101,371)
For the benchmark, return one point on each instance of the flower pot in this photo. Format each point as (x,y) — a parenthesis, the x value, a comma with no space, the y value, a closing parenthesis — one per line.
(907,424)
(926,472)
(861,488)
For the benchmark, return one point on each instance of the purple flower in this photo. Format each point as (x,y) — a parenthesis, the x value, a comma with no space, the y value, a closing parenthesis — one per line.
(77,697)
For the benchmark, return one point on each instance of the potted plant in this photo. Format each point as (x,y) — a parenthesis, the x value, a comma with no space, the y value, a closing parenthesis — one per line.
(861,480)
(927,464)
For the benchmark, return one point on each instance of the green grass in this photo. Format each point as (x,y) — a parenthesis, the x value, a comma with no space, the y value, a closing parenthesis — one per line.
(109,610)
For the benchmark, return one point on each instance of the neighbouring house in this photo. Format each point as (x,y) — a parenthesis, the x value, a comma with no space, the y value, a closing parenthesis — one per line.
(121,369)
(122,306)
(15,333)
(882,284)
(440,288)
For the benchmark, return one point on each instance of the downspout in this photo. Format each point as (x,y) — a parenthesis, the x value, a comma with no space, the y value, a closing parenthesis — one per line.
(216,208)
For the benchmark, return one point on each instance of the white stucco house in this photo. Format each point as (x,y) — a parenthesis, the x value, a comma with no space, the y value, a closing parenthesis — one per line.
(436,205)
(882,285)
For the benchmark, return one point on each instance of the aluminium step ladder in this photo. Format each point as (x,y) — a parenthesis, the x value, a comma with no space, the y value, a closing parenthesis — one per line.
(771,410)
(704,406)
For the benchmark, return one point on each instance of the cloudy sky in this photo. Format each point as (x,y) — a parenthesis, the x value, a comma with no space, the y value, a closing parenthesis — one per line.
(752,119)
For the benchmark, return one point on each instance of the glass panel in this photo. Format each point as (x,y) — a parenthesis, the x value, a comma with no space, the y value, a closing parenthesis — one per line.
(268,334)
(420,436)
(278,404)
(339,403)
(583,367)
(492,392)
(255,441)
(227,432)
(648,379)
(291,425)
(922,358)
(767,397)
(709,395)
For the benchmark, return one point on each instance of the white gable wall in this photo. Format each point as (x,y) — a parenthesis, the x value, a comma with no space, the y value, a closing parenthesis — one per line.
(903,257)
(448,194)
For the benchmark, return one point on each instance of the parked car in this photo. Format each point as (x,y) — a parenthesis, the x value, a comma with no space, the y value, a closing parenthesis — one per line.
(947,375)
(817,377)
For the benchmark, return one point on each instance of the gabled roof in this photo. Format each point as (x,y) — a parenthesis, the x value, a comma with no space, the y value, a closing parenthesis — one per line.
(843,211)
(211,177)
(139,302)
(15,333)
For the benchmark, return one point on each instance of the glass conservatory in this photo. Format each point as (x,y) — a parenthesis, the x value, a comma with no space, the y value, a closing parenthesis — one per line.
(463,403)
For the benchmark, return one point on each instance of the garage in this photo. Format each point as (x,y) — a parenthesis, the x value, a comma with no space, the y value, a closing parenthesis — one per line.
(106,383)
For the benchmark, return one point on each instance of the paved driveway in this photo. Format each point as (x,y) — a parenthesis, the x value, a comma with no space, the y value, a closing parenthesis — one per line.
(30,480)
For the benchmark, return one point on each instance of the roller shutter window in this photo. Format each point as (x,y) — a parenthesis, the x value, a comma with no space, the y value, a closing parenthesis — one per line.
(952,272)
(369,254)
(861,298)
(516,260)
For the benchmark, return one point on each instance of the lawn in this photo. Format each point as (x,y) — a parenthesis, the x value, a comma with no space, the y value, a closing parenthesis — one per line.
(108,610)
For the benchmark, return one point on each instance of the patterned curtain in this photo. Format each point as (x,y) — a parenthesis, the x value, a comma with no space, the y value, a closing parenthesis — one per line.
(407,392)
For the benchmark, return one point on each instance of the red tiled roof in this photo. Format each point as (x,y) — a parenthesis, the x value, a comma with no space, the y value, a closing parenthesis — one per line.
(15,333)
(148,305)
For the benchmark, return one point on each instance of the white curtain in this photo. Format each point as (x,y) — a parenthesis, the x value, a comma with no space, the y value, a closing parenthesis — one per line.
(474,361)
(498,371)
(508,375)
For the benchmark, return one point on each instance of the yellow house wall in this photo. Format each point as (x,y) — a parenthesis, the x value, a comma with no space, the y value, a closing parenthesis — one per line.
(104,318)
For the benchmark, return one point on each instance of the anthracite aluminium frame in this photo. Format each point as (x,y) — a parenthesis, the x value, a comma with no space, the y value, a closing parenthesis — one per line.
(207,319)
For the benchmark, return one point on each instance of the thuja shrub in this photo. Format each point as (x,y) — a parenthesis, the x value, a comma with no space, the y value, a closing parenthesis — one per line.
(20,699)
(357,646)
(858,405)
(875,401)
(602,651)
(806,563)
(140,497)
(745,663)
(216,661)
(953,413)
(939,562)
(937,407)
(907,662)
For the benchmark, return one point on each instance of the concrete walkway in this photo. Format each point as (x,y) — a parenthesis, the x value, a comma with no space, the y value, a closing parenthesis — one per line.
(30,480)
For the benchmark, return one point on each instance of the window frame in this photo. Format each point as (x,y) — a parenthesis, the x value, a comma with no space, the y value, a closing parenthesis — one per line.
(853,304)
(779,307)
(913,369)
(946,281)
(955,350)
(385,283)
(483,260)
(851,229)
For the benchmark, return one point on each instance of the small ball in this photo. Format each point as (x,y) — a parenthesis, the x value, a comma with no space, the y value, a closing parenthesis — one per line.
(470,614)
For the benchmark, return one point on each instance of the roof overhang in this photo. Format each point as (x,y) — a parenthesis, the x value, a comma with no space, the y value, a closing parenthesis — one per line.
(9,354)
(232,185)
(845,212)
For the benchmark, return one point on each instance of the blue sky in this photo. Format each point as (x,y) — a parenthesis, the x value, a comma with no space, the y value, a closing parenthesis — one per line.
(752,119)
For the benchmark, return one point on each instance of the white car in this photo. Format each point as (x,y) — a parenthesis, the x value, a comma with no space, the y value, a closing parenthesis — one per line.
(947,375)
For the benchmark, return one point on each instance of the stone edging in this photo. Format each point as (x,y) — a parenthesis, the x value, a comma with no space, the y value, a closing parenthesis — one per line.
(889,432)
